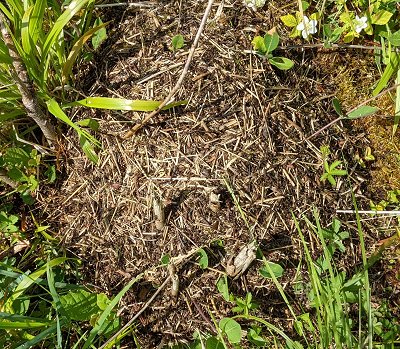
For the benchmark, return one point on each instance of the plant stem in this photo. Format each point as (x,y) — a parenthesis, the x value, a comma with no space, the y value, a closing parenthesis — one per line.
(25,87)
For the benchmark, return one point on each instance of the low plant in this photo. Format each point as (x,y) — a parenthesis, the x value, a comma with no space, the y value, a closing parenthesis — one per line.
(264,46)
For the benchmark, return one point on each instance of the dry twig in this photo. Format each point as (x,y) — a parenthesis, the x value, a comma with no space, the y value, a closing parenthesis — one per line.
(178,84)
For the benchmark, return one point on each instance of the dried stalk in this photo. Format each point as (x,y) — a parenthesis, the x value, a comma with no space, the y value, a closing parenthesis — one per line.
(178,84)
(25,87)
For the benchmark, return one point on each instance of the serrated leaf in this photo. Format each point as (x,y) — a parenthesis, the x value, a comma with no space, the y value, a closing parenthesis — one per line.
(177,42)
(17,175)
(381,17)
(275,268)
(362,111)
(222,286)
(100,35)
(80,305)
(271,42)
(281,62)
(289,20)
(203,260)
(232,330)
(16,157)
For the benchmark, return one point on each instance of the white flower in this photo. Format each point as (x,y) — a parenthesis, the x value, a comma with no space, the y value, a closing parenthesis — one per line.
(360,23)
(307,27)
(254,4)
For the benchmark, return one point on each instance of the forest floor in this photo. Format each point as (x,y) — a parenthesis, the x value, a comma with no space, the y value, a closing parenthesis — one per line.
(246,127)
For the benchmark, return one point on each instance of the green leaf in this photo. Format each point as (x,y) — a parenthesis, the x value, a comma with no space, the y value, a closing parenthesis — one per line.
(338,107)
(28,280)
(105,314)
(394,38)
(76,49)
(390,69)
(259,45)
(16,157)
(102,301)
(51,174)
(52,37)
(281,62)
(214,343)
(274,268)
(123,104)
(165,259)
(289,20)
(88,149)
(271,42)
(100,35)
(177,42)
(17,175)
(91,123)
(362,111)
(222,286)
(381,17)
(80,305)
(203,260)
(232,330)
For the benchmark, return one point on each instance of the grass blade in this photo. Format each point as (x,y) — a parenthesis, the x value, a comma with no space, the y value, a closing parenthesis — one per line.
(95,331)
(123,104)
(390,69)
(67,68)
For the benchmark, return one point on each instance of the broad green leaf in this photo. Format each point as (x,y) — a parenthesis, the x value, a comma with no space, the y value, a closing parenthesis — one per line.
(69,63)
(390,69)
(102,301)
(394,38)
(274,268)
(271,42)
(203,260)
(123,104)
(281,62)
(100,35)
(362,111)
(214,343)
(289,20)
(381,17)
(259,45)
(16,157)
(177,42)
(232,330)
(222,286)
(80,305)
(17,175)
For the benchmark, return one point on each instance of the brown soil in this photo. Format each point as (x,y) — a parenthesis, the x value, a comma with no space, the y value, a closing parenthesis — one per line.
(245,124)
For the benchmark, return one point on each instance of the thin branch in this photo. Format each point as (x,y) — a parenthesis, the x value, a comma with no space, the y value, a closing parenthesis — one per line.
(25,86)
(358,106)
(178,84)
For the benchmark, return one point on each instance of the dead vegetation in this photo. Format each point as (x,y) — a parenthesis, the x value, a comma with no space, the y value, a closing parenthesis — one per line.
(162,191)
